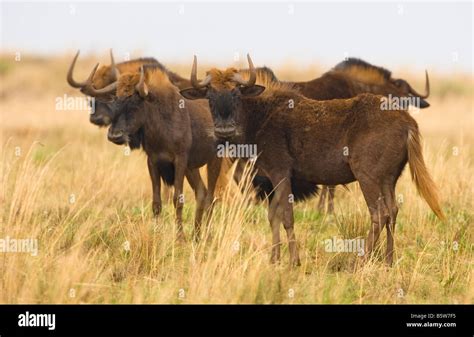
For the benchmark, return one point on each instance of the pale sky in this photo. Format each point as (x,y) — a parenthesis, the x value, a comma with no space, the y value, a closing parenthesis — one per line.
(433,35)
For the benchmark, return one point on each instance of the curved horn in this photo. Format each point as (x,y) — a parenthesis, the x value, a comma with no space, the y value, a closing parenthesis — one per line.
(253,72)
(252,78)
(70,78)
(110,89)
(88,88)
(113,66)
(194,81)
(427,87)
(141,86)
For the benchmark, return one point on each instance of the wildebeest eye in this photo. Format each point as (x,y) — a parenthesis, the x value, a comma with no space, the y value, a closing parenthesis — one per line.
(236,91)
(398,83)
(210,92)
(108,100)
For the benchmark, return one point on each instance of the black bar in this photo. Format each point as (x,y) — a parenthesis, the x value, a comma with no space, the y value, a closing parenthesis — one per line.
(240,320)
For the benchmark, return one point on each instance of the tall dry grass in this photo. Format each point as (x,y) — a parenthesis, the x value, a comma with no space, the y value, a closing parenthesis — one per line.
(88,204)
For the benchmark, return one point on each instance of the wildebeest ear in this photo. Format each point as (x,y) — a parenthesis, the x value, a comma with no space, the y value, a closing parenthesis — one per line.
(193,93)
(423,104)
(254,90)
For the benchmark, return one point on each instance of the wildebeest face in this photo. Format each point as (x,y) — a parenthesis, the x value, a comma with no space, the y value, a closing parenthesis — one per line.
(405,90)
(225,101)
(126,110)
(102,111)
(226,108)
(402,89)
(128,119)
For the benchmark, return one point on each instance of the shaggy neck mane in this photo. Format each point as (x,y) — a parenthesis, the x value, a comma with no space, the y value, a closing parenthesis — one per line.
(262,72)
(157,80)
(362,71)
(104,76)
(134,65)
(142,60)
(223,79)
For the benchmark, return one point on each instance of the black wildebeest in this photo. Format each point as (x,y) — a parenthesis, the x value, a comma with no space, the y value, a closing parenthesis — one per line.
(325,142)
(347,79)
(177,135)
(104,111)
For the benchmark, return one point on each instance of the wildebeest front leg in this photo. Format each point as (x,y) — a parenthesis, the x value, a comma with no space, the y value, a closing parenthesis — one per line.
(178,197)
(281,211)
(156,186)
(275,219)
(213,171)
(200,194)
(286,207)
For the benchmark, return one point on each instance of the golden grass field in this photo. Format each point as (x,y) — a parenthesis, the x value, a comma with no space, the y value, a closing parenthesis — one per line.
(89,206)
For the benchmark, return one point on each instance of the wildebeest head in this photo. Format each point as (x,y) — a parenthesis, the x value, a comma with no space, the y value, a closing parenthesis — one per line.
(129,109)
(401,88)
(98,85)
(99,78)
(378,80)
(224,89)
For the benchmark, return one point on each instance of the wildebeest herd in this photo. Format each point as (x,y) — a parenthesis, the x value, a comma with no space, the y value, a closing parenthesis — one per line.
(329,131)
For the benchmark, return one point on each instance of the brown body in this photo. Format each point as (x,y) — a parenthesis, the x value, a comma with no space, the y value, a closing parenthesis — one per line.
(104,114)
(177,137)
(347,79)
(311,142)
(325,142)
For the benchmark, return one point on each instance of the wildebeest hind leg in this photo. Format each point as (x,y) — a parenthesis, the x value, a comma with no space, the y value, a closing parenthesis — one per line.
(390,201)
(322,199)
(378,210)
(331,192)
